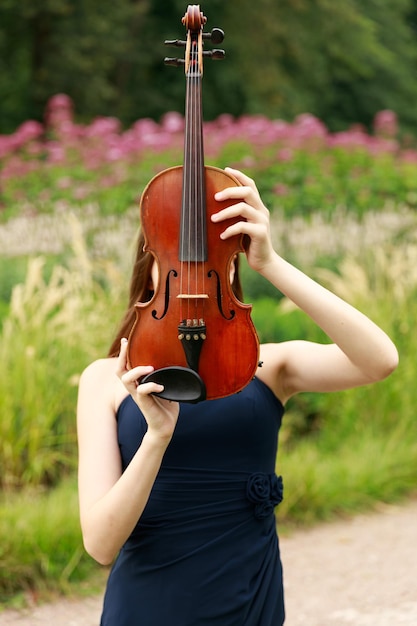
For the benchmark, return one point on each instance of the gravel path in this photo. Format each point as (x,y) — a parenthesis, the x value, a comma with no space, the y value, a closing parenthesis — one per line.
(361,572)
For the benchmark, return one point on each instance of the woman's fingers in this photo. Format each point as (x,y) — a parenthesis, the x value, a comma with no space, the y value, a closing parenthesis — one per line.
(241,177)
(246,194)
(121,366)
(254,231)
(130,377)
(240,209)
(161,415)
(251,218)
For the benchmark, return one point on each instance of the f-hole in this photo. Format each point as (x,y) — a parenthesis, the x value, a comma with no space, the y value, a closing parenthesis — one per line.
(232,313)
(167,294)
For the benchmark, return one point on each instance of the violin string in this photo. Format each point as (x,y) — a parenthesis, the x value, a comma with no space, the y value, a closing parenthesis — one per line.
(192,169)
(182,224)
(202,185)
(196,217)
(193,228)
(186,201)
(197,192)
(185,221)
(193,184)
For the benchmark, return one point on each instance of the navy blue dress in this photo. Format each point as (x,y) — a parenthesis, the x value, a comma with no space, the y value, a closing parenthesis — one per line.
(205,550)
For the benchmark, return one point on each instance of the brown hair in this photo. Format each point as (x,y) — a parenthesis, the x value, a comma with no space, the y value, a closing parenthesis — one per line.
(140,291)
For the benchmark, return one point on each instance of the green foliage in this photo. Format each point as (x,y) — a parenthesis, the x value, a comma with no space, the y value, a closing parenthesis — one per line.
(44,345)
(41,545)
(326,179)
(366,438)
(60,46)
(299,181)
(11,273)
(365,469)
(333,59)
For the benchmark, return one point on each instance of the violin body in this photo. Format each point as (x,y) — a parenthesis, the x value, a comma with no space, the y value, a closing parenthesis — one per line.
(194,331)
(229,352)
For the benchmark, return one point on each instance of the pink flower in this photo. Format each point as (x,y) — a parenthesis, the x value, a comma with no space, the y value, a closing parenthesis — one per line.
(28,131)
(280,189)
(60,101)
(386,123)
(103,126)
(58,110)
(173,122)
(285,155)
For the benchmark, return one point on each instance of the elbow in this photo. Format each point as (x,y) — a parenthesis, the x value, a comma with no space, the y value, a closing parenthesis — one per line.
(387,364)
(98,551)
(102,557)
(392,364)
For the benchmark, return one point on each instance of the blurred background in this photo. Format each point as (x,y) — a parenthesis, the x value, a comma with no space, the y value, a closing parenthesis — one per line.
(315,100)
(340,61)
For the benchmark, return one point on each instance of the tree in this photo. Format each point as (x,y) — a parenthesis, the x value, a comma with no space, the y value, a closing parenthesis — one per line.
(342,61)
(333,59)
(70,46)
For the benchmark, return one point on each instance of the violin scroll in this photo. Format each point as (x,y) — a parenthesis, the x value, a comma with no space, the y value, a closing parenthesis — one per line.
(194,21)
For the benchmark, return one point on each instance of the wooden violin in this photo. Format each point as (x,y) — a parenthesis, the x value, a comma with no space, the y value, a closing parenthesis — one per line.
(195,332)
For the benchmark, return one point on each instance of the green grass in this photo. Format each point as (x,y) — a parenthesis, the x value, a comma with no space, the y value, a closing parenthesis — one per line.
(343,471)
(41,546)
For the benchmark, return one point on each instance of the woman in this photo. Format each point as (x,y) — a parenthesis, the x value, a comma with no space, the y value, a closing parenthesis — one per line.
(184,495)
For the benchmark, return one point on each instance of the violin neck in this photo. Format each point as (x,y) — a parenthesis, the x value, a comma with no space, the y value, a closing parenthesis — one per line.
(193,236)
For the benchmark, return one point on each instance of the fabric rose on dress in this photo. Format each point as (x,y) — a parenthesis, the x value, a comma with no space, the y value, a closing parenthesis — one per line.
(265,491)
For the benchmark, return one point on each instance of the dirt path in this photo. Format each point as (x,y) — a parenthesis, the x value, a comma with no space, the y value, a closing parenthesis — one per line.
(361,572)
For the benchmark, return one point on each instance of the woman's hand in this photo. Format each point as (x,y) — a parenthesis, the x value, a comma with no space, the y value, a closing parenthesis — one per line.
(254,220)
(161,415)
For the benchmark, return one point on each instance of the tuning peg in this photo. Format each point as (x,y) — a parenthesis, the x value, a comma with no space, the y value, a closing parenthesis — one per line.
(216,54)
(173,61)
(175,42)
(216,35)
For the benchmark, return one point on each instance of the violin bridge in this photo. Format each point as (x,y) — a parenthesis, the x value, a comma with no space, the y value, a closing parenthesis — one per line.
(192,296)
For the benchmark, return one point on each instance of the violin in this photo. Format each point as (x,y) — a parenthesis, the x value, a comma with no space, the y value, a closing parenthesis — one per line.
(195,332)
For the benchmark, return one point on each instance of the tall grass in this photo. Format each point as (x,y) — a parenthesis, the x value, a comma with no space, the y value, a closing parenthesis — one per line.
(41,548)
(363,446)
(339,452)
(53,328)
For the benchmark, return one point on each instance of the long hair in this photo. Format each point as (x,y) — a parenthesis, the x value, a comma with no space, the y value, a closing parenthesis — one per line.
(141,291)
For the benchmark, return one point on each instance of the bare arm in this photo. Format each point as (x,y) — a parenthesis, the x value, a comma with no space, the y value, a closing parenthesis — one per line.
(361,352)
(111,502)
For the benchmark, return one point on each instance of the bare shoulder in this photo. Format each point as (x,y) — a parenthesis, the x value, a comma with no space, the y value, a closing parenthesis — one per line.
(282,365)
(272,360)
(100,368)
(99,380)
